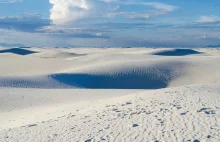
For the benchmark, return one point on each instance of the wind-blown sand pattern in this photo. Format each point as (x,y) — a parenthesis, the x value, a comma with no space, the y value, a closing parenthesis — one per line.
(109,94)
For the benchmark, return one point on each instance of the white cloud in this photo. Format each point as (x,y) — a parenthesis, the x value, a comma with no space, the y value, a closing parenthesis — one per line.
(71,32)
(64,11)
(158,9)
(208,19)
(28,22)
(10,1)
(67,11)
(155,5)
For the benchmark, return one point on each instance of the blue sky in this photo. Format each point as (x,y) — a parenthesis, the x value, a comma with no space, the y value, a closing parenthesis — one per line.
(161,23)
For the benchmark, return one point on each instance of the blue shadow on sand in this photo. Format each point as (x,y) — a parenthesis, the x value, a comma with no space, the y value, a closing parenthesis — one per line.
(177,52)
(18,51)
(132,81)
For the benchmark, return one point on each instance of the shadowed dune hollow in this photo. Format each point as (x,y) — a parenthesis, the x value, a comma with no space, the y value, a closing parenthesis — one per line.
(177,52)
(131,78)
(18,51)
(150,77)
(131,81)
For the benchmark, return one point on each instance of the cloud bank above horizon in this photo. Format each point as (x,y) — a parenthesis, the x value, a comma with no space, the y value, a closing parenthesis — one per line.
(67,11)
(110,23)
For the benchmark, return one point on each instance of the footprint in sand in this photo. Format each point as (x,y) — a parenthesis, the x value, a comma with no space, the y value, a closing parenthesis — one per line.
(32,125)
(207,111)
(89,140)
(135,125)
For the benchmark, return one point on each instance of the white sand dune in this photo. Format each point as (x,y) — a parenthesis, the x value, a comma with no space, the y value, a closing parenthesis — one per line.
(177,114)
(58,54)
(108,94)
(112,69)
(136,68)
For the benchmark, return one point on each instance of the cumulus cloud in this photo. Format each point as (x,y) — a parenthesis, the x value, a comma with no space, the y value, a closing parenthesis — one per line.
(67,11)
(71,32)
(34,23)
(208,19)
(27,22)
(156,5)
(10,1)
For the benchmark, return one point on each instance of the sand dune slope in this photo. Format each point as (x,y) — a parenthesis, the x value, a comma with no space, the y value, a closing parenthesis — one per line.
(109,68)
(109,94)
(177,114)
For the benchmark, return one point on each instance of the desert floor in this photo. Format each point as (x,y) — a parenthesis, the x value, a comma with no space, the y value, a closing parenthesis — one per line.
(109,94)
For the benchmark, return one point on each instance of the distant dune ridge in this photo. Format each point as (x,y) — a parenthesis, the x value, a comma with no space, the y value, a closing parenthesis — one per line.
(106,68)
(109,94)
(17,51)
(177,52)
(139,76)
